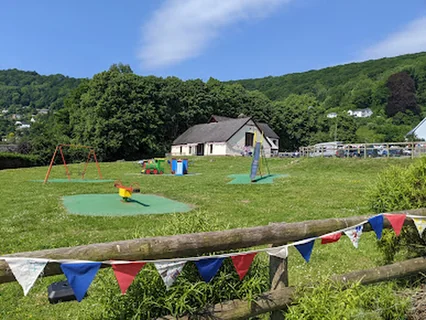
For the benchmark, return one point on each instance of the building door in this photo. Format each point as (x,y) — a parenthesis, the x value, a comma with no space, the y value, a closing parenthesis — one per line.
(200,149)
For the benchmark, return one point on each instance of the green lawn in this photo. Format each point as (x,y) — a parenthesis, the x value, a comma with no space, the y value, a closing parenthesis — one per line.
(33,217)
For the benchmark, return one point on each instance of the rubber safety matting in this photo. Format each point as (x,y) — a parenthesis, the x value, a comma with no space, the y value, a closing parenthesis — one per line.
(245,178)
(113,205)
(75,180)
(162,175)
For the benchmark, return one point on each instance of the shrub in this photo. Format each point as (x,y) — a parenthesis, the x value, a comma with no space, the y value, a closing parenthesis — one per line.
(400,189)
(330,300)
(147,297)
(15,160)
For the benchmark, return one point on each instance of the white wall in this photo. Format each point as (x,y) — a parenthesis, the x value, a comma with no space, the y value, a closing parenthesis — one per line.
(421,131)
(219,149)
(235,145)
(176,150)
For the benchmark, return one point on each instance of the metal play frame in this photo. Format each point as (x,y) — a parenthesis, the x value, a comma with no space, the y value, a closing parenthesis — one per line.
(59,148)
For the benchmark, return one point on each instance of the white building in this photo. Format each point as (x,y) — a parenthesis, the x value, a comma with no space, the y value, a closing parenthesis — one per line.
(361,113)
(23,126)
(419,131)
(225,136)
(332,115)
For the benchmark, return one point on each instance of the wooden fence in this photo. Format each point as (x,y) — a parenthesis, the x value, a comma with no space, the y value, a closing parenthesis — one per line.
(187,245)
(365,150)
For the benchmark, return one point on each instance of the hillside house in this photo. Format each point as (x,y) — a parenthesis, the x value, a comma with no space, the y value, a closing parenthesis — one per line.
(332,115)
(361,113)
(225,136)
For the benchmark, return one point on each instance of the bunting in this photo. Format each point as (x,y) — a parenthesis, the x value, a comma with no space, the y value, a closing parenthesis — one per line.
(242,263)
(169,271)
(80,276)
(354,234)
(305,249)
(396,221)
(334,237)
(125,273)
(209,267)
(420,225)
(26,271)
(280,252)
(376,223)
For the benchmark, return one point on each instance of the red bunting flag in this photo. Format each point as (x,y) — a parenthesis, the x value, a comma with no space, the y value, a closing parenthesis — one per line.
(125,273)
(242,263)
(334,237)
(396,221)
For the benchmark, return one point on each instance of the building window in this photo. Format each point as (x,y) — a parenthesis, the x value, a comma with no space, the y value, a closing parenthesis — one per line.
(180,150)
(249,139)
(211,149)
(190,150)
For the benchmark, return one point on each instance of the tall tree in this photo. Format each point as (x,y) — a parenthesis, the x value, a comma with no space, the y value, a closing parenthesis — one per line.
(402,94)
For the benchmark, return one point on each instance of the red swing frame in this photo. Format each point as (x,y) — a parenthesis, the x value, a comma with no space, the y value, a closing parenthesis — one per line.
(59,148)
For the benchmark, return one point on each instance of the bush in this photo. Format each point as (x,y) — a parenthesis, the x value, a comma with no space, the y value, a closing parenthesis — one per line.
(400,189)
(15,160)
(147,297)
(330,300)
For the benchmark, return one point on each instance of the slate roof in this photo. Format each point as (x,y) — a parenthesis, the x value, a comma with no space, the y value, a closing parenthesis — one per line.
(220,131)
(219,118)
(267,131)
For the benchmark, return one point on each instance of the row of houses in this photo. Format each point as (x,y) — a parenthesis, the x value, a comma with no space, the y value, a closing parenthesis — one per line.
(226,137)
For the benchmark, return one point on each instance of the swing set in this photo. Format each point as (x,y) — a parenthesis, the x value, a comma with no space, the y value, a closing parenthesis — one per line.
(59,149)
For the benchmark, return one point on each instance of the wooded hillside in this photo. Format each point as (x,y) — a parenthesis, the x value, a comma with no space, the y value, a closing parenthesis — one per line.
(355,85)
(127,116)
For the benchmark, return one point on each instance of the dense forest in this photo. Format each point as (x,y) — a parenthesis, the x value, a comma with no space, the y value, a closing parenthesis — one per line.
(127,116)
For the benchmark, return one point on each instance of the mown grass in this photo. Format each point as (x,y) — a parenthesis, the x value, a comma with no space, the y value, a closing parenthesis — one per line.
(33,217)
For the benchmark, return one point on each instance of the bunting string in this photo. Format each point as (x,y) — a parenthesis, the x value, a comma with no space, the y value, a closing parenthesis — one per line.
(80,273)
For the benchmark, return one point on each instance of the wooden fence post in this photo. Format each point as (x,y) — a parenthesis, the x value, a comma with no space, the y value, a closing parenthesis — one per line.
(278,277)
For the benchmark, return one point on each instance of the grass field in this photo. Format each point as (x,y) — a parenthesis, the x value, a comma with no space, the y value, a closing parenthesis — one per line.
(33,217)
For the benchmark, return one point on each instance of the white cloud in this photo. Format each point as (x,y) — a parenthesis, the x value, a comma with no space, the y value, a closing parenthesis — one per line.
(182,29)
(411,39)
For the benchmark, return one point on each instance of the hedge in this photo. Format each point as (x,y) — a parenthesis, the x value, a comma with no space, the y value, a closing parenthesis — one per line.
(10,160)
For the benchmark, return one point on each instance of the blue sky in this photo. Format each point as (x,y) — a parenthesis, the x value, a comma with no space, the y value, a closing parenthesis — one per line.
(232,39)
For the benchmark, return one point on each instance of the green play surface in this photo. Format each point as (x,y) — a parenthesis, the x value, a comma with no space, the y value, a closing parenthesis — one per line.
(74,180)
(245,178)
(162,175)
(112,205)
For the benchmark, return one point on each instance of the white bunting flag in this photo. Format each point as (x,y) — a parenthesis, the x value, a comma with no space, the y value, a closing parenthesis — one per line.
(420,225)
(169,271)
(26,271)
(280,252)
(354,234)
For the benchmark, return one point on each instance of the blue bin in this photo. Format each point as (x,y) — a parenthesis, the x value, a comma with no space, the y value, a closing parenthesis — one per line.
(185,166)
(174,162)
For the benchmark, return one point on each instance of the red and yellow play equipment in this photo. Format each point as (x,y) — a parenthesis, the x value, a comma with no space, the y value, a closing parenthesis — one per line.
(126,192)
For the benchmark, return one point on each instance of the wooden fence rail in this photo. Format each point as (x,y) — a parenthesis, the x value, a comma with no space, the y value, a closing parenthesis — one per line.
(187,245)
(280,299)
